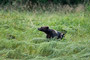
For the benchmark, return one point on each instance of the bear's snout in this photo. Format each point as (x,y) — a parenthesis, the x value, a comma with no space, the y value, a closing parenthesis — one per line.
(39,29)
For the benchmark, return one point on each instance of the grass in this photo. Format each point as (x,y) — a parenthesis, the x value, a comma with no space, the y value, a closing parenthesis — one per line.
(29,43)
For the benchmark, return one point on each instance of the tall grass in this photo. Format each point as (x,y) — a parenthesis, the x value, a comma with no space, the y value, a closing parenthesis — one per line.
(29,43)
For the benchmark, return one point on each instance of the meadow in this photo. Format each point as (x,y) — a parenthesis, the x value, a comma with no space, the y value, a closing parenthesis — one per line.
(20,39)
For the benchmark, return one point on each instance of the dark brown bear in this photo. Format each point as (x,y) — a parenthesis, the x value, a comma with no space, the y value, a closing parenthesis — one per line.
(50,33)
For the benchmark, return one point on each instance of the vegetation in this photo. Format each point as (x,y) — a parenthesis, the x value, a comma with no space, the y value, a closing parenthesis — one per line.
(20,39)
(43,1)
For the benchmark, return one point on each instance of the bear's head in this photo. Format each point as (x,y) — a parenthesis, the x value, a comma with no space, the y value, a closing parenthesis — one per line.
(45,28)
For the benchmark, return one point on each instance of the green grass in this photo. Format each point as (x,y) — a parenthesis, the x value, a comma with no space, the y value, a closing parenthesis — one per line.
(29,43)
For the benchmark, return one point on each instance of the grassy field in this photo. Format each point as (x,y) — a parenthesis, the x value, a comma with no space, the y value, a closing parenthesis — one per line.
(20,39)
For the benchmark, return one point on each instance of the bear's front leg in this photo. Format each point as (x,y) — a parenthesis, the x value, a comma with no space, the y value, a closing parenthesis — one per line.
(48,36)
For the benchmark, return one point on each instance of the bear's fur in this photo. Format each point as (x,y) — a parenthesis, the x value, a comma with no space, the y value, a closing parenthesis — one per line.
(50,33)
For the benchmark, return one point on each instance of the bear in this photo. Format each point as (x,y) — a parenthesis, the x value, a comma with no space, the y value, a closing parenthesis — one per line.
(50,33)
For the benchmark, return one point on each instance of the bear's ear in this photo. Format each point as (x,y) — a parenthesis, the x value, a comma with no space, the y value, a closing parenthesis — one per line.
(47,27)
